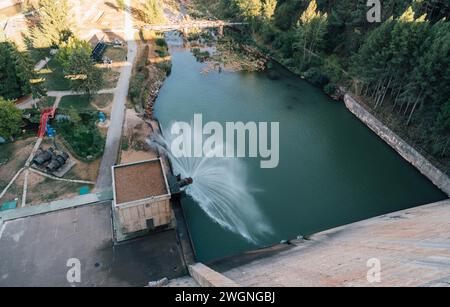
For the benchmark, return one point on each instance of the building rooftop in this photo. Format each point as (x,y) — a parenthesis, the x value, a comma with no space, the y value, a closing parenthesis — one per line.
(138,181)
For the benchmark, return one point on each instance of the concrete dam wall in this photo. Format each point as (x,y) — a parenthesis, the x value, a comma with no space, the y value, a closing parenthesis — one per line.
(412,248)
(440,179)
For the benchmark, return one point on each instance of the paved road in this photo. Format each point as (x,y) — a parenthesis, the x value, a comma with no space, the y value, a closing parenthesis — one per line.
(118,110)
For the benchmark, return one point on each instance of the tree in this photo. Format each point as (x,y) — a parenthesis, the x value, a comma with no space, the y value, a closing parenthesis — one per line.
(248,9)
(53,26)
(69,48)
(120,4)
(268,9)
(17,76)
(310,31)
(75,58)
(152,12)
(10,119)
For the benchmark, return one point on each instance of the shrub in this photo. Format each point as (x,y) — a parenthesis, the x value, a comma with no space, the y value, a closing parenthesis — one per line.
(330,89)
(83,137)
(200,55)
(166,66)
(314,76)
(161,42)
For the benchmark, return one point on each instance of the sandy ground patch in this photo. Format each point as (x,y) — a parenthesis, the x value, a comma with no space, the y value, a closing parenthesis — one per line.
(40,188)
(136,133)
(131,156)
(20,151)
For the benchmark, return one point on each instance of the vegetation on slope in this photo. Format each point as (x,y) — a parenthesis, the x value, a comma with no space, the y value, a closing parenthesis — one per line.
(399,66)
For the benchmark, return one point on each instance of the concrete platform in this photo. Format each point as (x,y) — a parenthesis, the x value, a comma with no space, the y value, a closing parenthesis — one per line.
(34,251)
(412,247)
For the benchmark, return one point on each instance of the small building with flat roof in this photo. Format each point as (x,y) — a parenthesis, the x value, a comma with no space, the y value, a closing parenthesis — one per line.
(141,196)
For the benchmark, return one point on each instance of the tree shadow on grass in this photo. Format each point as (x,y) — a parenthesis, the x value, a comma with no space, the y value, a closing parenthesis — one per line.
(137,13)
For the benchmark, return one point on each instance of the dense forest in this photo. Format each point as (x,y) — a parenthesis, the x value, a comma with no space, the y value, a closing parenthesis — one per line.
(400,66)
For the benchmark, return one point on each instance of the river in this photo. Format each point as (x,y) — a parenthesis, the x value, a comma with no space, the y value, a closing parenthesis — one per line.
(333,170)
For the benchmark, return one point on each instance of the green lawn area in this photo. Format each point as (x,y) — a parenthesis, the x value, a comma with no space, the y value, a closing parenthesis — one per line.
(79,102)
(54,77)
(85,103)
(117,54)
(56,81)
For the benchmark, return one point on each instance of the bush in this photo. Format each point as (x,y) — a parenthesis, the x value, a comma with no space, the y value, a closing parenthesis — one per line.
(142,61)
(161,42)
(200,55)
(83,137)
(10,119)
(314,76)
(193,37)
(166,66)
(161,53)
(137,84)
(330,89)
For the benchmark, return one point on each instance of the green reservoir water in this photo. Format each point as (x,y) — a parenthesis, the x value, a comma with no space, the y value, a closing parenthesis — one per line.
(333,170)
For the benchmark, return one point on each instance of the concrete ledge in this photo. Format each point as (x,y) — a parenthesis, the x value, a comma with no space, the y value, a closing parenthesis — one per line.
(56,205)
(206,277)
(440,179)
(412,245)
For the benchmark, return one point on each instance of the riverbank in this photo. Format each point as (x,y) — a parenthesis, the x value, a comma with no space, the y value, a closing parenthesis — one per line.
(152,68)
(439,179)
(434,172)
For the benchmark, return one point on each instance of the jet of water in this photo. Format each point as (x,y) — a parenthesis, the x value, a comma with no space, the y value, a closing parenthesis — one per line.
(221,190)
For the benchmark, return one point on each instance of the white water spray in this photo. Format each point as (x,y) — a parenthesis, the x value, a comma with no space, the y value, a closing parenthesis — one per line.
(221,189)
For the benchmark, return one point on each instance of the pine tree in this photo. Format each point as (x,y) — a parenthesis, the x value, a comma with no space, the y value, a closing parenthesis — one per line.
(53,26)
(248,9)
(268,9)
(153,12)
(75,58)
(10,119)
(310,31)
(17,73)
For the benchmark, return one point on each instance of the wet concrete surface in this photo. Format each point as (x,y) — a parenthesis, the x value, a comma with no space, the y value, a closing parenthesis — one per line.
(34,251)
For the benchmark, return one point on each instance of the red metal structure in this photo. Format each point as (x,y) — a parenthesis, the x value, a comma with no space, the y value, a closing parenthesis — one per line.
(45,115)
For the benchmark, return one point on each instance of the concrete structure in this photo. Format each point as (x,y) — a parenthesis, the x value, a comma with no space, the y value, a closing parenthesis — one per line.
(441,180)
(412,248)
(37,243)
(207,277)
(141,196)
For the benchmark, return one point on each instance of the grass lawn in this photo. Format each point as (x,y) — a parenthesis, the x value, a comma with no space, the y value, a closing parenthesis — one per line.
(111,77)
(54,77)
(85,103)
(116,54)
(79,102)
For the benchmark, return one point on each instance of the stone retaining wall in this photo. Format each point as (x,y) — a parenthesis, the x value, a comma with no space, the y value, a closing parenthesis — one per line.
(440,179)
